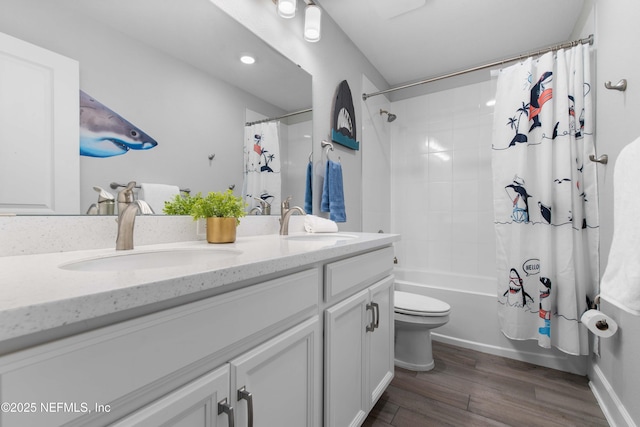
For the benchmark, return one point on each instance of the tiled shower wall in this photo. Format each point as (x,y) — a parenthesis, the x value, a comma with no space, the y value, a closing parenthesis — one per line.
(441,184)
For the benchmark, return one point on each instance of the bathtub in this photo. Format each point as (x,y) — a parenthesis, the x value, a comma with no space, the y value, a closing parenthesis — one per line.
(473,322)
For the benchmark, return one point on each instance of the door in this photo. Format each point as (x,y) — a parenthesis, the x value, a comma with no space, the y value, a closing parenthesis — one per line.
(381,339)
(39,130)
(194,405)
(278,383)
(346,361)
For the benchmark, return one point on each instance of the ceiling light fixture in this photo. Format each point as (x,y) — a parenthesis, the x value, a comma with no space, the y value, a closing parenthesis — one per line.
(247,59)
(312,19)
(286,8)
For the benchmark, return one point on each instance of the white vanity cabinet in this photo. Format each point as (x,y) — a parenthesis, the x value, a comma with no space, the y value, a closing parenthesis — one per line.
(301,341)
(282,378)
(275,384)
(194,405)
(359,330)
(101,376)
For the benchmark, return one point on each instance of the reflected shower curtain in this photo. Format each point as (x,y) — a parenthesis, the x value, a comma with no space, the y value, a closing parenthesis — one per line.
(545,199)
(262,165)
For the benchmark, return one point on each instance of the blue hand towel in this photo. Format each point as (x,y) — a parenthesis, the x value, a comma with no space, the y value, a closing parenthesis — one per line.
(308,204)
(333,193)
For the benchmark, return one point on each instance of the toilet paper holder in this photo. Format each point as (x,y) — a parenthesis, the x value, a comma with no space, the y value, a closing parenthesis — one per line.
(602,325)
(593,305)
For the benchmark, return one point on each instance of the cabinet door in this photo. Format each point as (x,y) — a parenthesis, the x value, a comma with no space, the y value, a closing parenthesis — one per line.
(194,405)
(345,361)
(39,132)
(381,339)
(278,383)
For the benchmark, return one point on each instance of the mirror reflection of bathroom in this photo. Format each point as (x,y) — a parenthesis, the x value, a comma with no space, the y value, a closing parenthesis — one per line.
(193,106)
(277,153)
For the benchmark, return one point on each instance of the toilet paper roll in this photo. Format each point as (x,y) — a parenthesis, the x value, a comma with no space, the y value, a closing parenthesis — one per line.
(599,323)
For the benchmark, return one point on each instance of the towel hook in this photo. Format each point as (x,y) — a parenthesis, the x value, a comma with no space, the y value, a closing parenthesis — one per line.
(604,159)
(328,147)
(621,85)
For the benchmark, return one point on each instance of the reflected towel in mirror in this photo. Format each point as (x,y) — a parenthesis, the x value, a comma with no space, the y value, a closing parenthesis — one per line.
(156,194)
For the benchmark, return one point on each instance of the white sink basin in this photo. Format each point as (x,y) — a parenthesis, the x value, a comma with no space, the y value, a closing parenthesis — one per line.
(128,261)
(321,237)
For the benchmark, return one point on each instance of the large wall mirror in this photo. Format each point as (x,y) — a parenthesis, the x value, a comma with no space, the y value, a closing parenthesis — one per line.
(173,69)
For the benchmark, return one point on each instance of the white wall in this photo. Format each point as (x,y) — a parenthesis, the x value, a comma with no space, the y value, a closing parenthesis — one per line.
(616,373)
(376,162)
(187,111)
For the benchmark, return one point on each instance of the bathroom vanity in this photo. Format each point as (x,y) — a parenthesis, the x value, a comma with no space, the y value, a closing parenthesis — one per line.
(271,330)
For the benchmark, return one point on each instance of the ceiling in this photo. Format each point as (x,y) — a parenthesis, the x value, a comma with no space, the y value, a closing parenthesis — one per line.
(201,35)
(410,40)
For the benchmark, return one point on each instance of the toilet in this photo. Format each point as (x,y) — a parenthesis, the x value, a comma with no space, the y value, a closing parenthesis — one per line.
(415,315)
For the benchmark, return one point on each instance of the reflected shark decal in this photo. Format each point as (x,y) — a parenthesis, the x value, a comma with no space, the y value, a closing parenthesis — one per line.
(104,133)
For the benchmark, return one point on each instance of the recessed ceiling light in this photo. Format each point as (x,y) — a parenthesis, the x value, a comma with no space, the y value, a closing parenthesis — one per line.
(247,59)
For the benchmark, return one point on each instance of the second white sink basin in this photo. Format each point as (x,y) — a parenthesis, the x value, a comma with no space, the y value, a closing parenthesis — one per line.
(128,261)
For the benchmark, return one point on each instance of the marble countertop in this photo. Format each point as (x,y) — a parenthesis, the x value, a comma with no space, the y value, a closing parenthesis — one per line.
(37,295)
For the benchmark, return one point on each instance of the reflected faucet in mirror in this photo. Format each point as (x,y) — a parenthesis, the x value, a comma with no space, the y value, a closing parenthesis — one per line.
(263,209)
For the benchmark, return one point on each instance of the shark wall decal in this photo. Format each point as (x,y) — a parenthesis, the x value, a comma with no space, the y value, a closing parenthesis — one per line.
(104,133)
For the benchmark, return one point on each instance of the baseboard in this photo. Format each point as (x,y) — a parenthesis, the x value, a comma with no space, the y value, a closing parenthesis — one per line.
(546,360)
(611,405)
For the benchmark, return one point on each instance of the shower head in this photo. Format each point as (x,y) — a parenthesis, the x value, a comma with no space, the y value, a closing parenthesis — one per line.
(390,116)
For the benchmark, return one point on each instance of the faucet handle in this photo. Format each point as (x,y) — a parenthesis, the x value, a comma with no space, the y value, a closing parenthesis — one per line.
(285,203)
(126,195)
(262,202)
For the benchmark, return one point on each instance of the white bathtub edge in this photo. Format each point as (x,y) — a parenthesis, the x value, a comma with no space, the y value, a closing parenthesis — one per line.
(464,330)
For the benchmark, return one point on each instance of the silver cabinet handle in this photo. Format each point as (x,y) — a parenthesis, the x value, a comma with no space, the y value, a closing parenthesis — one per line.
(244,394)
(224,407)
(377,313)
(371,326)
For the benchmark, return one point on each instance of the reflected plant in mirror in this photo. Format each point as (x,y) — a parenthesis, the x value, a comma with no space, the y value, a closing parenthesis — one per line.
(179,77)
(181,204)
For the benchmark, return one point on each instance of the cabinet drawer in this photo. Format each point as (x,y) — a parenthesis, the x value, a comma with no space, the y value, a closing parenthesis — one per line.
(98,367)
(345,277)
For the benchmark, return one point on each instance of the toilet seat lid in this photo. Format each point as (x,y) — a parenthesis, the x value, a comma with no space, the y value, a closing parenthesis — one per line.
(415,304)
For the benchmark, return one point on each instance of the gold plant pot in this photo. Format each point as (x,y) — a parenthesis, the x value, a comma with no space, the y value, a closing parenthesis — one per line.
(221,230)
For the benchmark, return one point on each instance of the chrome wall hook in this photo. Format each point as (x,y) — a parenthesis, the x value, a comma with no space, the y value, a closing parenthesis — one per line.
(621,85)
(604,159)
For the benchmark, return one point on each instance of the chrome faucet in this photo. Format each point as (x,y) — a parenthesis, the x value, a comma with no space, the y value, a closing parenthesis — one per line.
(127,210)
(285,214)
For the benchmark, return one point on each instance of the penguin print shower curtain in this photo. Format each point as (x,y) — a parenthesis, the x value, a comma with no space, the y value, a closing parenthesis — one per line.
(262,179)
(545,199)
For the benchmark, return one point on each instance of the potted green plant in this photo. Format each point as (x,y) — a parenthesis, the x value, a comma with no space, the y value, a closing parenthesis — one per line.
(222,211)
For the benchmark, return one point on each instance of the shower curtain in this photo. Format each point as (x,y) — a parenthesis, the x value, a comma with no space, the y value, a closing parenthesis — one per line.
(262,165)
(545,199)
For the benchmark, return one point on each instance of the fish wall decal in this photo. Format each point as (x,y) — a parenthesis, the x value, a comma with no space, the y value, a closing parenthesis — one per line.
(104,133)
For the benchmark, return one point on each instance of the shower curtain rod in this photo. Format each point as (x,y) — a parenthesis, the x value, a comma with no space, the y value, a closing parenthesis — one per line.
(586,40)
(271,119)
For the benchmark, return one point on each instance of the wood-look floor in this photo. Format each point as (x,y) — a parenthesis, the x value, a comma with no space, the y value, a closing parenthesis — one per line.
(470,388)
